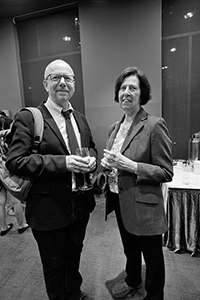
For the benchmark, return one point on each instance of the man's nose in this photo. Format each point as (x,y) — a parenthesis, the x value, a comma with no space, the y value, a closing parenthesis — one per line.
(62,81)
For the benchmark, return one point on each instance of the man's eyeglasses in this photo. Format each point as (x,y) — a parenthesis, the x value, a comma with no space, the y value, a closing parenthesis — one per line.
(57,78)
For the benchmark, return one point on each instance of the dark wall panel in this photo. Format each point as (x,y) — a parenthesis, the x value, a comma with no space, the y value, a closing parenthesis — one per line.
(181,71)
(42,40)
(174,88)
(195,84)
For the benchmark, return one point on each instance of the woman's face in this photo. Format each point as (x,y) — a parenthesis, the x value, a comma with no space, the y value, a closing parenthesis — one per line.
(129,94)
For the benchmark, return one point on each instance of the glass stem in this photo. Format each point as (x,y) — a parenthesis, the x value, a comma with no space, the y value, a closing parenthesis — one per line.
(84,178)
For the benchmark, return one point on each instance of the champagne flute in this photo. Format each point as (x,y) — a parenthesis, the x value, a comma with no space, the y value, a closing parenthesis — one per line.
(84,152)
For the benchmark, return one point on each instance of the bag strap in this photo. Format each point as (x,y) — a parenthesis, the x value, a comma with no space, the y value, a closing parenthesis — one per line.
(100,179)
(38,126)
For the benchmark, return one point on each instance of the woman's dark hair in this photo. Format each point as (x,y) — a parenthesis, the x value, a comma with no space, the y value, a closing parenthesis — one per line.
(145,87)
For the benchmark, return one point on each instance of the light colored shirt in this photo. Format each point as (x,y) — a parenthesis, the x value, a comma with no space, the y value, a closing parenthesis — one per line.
(116,147)
(56,112)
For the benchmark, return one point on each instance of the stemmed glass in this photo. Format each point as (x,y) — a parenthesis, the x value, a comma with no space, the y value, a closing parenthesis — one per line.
(84,152)
(111,172)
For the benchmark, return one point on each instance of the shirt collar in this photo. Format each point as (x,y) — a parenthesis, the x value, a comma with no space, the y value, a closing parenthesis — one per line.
(58,109)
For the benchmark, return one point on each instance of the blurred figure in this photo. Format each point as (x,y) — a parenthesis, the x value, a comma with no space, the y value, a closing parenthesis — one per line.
(18,210)
(5,123)
(139,155)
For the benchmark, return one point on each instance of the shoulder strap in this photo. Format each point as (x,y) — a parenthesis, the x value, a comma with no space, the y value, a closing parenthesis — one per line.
(100,179)
(38,126)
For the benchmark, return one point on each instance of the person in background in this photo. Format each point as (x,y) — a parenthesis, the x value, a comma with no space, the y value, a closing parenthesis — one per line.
(56,210)
(139,155)
(18,213)
(5,123)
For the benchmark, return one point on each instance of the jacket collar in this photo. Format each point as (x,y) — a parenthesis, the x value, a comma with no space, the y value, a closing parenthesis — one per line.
(52,124)
(136,125)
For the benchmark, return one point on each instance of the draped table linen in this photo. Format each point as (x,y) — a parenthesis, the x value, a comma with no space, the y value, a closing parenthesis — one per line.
(182,204)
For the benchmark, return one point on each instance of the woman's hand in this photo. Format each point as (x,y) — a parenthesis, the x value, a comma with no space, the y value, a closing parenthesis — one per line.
(114,159)
(105,164)
(117,160)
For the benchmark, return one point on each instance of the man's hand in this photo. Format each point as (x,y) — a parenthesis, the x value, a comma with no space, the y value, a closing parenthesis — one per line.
(78,164)
(92,163)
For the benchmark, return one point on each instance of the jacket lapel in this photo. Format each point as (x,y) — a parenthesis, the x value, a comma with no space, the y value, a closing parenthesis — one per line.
(137,124)
(114,129)
(130,136)
(52,124)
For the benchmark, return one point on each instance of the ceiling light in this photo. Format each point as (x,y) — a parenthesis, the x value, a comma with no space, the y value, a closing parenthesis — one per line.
(67,38)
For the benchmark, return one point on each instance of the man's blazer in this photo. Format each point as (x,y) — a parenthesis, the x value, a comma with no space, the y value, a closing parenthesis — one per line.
(140,196)
(49,202)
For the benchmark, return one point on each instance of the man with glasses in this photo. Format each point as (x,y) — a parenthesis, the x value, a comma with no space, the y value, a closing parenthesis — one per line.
(56,210)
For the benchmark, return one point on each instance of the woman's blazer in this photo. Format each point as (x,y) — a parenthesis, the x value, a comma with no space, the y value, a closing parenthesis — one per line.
(140,196)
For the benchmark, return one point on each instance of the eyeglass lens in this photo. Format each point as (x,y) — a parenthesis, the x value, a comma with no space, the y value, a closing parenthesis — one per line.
(57,77)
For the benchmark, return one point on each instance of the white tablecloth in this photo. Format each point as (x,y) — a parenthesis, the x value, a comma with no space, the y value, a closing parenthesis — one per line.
(182,205)
(179,180)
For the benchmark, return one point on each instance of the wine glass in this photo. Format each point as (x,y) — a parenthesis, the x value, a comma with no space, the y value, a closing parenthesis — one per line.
(84,152)
(113,171)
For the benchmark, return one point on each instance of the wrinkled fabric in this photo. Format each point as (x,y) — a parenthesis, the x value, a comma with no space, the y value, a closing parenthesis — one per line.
(183,213)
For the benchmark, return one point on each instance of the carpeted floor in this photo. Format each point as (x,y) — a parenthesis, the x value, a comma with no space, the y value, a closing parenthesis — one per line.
(102,264)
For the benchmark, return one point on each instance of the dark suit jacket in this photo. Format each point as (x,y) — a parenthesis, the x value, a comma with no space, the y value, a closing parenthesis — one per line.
(140,196)
(49,202)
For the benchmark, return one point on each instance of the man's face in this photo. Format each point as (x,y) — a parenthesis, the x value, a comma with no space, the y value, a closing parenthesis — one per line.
(59,82)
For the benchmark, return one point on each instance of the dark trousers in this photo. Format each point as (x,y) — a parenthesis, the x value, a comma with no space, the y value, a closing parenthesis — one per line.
(151,247)
(60,252)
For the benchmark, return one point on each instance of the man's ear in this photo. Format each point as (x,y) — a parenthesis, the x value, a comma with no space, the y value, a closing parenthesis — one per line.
(46,86)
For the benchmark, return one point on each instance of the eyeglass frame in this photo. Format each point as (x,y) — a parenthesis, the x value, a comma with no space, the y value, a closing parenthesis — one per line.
(64,76)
